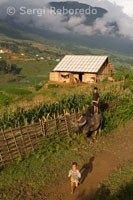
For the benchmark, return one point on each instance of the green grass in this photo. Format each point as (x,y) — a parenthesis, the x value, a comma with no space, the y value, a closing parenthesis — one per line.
(119,185)
(53,86)
(34,71)
(19,92)
(4,100)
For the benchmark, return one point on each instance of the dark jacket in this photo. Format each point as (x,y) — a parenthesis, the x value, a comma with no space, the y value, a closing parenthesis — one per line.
(95,96)
(89,112)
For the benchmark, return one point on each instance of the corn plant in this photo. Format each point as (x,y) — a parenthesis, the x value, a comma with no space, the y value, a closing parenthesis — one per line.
(51,110)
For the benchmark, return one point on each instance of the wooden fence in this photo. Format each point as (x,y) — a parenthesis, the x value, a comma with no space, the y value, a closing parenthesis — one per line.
(16,143)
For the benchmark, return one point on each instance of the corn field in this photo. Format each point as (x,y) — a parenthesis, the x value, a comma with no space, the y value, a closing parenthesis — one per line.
(65,105)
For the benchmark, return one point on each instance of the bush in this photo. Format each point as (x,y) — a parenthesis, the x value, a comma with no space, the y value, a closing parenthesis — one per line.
(38,87)
(118,76)
(130,76)
(128,84)
(122,74)
(6,69)
(117,116)
(105,80)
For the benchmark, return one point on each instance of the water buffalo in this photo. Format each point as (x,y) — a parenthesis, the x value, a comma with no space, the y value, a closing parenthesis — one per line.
(89,123)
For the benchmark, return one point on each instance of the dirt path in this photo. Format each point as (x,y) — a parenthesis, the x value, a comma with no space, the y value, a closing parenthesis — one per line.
(96,169)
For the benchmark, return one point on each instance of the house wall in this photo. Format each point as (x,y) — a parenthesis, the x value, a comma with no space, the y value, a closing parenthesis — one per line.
(54,76)
(105,71)
(63,77)
(87,78)
(76,77)
(73,77)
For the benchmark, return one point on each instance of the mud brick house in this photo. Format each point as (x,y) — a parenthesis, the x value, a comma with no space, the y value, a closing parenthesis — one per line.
(82,68)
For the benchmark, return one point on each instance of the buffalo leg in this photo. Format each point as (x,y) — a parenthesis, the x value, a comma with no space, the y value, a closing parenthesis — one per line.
(100,130)
(95,133)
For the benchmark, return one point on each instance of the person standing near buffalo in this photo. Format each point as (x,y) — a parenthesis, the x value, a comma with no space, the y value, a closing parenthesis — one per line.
(95,100)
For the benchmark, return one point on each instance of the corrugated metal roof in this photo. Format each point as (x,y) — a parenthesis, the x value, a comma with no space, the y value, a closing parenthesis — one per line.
(76,63)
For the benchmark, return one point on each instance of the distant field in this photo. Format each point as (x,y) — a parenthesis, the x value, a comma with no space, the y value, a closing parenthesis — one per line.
(34,71)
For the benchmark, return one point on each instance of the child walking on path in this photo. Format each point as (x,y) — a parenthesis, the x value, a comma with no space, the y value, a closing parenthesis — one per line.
(75,176)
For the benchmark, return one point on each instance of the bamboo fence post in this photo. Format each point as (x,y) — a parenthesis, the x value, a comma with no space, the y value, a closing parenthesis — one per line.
(16,143)
(43,127)
(30,140)
(10,155)
(66,120)
(75,116)
(2,162)
(35,131)
(23,141)
(45,132)
(57,125)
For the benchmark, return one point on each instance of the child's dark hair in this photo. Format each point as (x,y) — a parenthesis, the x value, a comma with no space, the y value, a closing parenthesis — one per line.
(88,103)
(74,163)
(95,88)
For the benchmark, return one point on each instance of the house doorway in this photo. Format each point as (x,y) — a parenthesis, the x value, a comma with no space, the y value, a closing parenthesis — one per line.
(81,77)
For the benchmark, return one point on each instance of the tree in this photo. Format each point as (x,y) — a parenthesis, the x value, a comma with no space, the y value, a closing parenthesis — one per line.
(14,69)
(3,66)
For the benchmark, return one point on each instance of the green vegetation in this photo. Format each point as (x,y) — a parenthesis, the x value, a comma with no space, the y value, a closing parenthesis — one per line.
(119,185)
(38,87)
(53,86)
(13,46)
(19,92)
(123,73)
(120,110)
(4,100)
(5,68)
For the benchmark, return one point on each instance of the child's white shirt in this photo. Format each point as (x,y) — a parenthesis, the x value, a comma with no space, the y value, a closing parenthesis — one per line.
(77,172)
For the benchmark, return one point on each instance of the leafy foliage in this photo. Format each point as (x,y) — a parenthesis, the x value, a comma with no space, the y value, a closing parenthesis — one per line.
(51,145)
(123,73)
(5,68)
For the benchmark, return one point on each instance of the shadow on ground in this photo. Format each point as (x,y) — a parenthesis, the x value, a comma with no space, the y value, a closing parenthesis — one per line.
(87,168)
(103,193)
